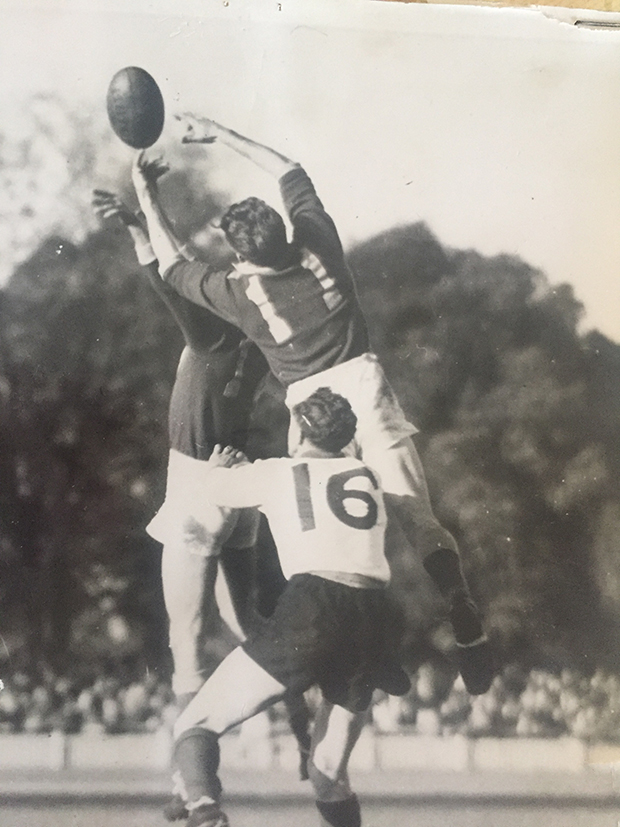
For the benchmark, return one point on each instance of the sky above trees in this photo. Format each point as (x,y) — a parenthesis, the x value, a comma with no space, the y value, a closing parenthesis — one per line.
(497,128)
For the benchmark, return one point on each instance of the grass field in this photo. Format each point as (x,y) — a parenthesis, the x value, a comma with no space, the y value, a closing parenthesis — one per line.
(395,814)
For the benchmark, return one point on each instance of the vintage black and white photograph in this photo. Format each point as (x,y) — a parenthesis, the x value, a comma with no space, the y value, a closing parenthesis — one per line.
(309,414)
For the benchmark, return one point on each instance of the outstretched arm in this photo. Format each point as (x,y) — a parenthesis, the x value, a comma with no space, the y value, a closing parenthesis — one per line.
(108,205)
(230,480)
(165,244)
(314,230)
(205,131)
(201,329)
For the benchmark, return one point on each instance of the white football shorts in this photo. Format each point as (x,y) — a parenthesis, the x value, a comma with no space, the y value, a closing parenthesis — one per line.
(186,519)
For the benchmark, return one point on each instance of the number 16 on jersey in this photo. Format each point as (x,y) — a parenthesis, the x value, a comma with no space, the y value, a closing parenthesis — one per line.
(355,507)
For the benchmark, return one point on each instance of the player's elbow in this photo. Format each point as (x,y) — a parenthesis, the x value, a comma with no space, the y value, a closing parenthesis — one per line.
(288,166)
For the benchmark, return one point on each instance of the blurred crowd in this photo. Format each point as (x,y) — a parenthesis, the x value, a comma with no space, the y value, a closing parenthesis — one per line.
(107,705)
(534,704)
(519,704)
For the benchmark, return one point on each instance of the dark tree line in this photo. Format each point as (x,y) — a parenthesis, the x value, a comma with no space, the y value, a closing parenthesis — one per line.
(88,360)
(519,435)
(519,432)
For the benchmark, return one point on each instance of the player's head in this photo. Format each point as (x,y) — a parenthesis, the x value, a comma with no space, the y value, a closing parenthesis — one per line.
(256,232)
(326,420)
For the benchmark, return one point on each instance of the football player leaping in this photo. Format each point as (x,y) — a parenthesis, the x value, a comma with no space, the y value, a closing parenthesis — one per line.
(211,401)
(201,414)
(331,626)
(297,302)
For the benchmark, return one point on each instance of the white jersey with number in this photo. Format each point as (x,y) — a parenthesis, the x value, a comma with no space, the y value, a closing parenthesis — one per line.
(325,514)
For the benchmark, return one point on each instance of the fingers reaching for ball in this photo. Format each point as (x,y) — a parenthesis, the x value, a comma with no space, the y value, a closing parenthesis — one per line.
(195,130)
(150,169)
(107,205)
(154,168)
(146,172)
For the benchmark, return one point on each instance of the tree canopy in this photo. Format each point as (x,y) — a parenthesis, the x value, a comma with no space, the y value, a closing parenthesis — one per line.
(518,415)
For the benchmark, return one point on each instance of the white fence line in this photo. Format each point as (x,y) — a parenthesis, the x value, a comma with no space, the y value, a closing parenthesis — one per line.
(374,752)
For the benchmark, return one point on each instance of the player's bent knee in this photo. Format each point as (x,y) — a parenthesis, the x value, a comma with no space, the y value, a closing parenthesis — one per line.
(181,726)
(237,690)
(208,720)
(196,715)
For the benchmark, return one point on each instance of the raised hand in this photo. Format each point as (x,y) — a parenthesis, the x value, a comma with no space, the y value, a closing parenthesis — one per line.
(146,172)
(108,205)
(154,168)
(195,130)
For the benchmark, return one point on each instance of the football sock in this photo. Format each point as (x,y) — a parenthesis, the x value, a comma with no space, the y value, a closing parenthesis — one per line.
(197,758)
(466,621)
(444,568)
(340,813)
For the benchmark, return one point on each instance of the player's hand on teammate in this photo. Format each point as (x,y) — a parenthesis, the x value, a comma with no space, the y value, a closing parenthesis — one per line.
(226,457)
(195,130)
(108,205)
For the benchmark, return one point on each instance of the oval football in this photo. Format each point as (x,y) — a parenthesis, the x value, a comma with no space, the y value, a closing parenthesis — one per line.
(135,107)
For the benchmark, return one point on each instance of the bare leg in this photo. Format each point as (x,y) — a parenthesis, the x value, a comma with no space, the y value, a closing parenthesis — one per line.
(237,690)
(188,584)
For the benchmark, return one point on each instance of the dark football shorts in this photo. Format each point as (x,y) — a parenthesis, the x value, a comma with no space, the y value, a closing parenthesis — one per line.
(331,635)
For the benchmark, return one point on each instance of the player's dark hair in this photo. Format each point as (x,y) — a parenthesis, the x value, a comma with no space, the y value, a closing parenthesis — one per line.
(256,231)
(326,419)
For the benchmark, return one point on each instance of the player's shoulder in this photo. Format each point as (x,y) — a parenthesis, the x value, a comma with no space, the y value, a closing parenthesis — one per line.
(196,269)
(335,465)
(354,466)
(272,464)
(346,460)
